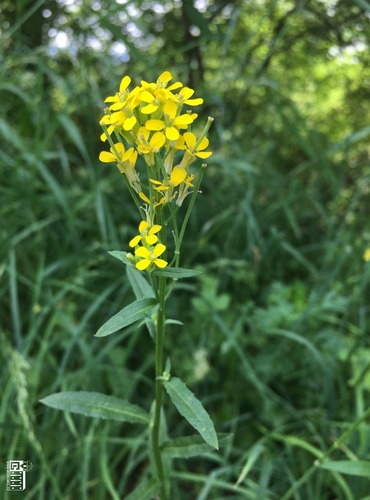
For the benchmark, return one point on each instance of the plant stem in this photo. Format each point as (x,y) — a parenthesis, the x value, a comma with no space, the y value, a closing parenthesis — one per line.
(159,385)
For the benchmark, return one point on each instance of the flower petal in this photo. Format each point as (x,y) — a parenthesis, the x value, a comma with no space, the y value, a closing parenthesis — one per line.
(155,182)
(150,108)
(125,82)
(175,86)
(165,77)
(107,157)
(151,239)
(190,139)
(172,133)
(185,93)
(157,141)
(120,148)
(203,144)
(170,109)
(143,252)
(160,263)
(129,123)
(143,264)
(111,98)
(135,241)
(143,134)
(154,124)
(203,154)
(155,229)
(159,249)
(178,175)
(117,118)
(143,225)
(144,197)
(194,102)
(146,96)
(103,137)
(117,105)
(184,120)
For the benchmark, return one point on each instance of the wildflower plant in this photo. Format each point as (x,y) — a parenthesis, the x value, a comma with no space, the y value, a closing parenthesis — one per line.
(149,131)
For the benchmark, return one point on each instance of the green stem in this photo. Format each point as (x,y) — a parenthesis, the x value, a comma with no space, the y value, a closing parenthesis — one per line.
(159,385)
(188,212)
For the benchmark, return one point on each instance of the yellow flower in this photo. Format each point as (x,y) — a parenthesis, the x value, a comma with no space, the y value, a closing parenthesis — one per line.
(148,236)
(144,197)
(149,147)
(126,161)
(119,154)
(191,141)
(177,176)
(366,255)
(185,93)
(107,122)
(122,94)
(171,123)
(150,118)
(150,256)
(163,80)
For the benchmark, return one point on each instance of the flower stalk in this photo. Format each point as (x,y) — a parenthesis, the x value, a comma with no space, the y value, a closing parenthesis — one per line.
(155,149)
(159,345)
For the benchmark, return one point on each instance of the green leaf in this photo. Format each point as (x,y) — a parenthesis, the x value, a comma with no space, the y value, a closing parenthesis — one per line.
(189,446)
(253,456)
(350,467)
(141,289)
(122,256)
(174,322)
(191,409)
(147,488)
(137,310)
(176,273)
(94,404)
(139,284)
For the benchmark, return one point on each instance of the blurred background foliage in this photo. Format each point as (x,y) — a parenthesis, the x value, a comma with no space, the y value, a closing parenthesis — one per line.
(275,341)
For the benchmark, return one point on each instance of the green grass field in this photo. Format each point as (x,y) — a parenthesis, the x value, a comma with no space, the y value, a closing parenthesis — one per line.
(275,340)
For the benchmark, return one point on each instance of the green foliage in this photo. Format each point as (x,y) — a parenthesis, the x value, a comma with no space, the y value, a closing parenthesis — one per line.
(140,309)
(146,489)
(275,335)
(93,404)
(191,409)
(353,468)
(177,273)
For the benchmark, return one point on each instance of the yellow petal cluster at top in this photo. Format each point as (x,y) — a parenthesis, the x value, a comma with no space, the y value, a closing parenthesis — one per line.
(152,121)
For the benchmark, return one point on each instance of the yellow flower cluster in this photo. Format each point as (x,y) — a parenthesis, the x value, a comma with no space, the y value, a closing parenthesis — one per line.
(150,121)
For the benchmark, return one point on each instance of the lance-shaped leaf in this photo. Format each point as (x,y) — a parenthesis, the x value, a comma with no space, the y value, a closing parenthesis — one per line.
(139,309)
(122,256)
(94,404)
(191,408)
(139,284)
(176,272)
(141,289)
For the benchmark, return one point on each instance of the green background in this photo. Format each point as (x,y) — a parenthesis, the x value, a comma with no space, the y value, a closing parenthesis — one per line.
(275,341)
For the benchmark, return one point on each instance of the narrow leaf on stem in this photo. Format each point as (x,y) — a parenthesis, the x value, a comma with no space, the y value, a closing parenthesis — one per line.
(177,272)
(192,410)
(139,309)
(94,404)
